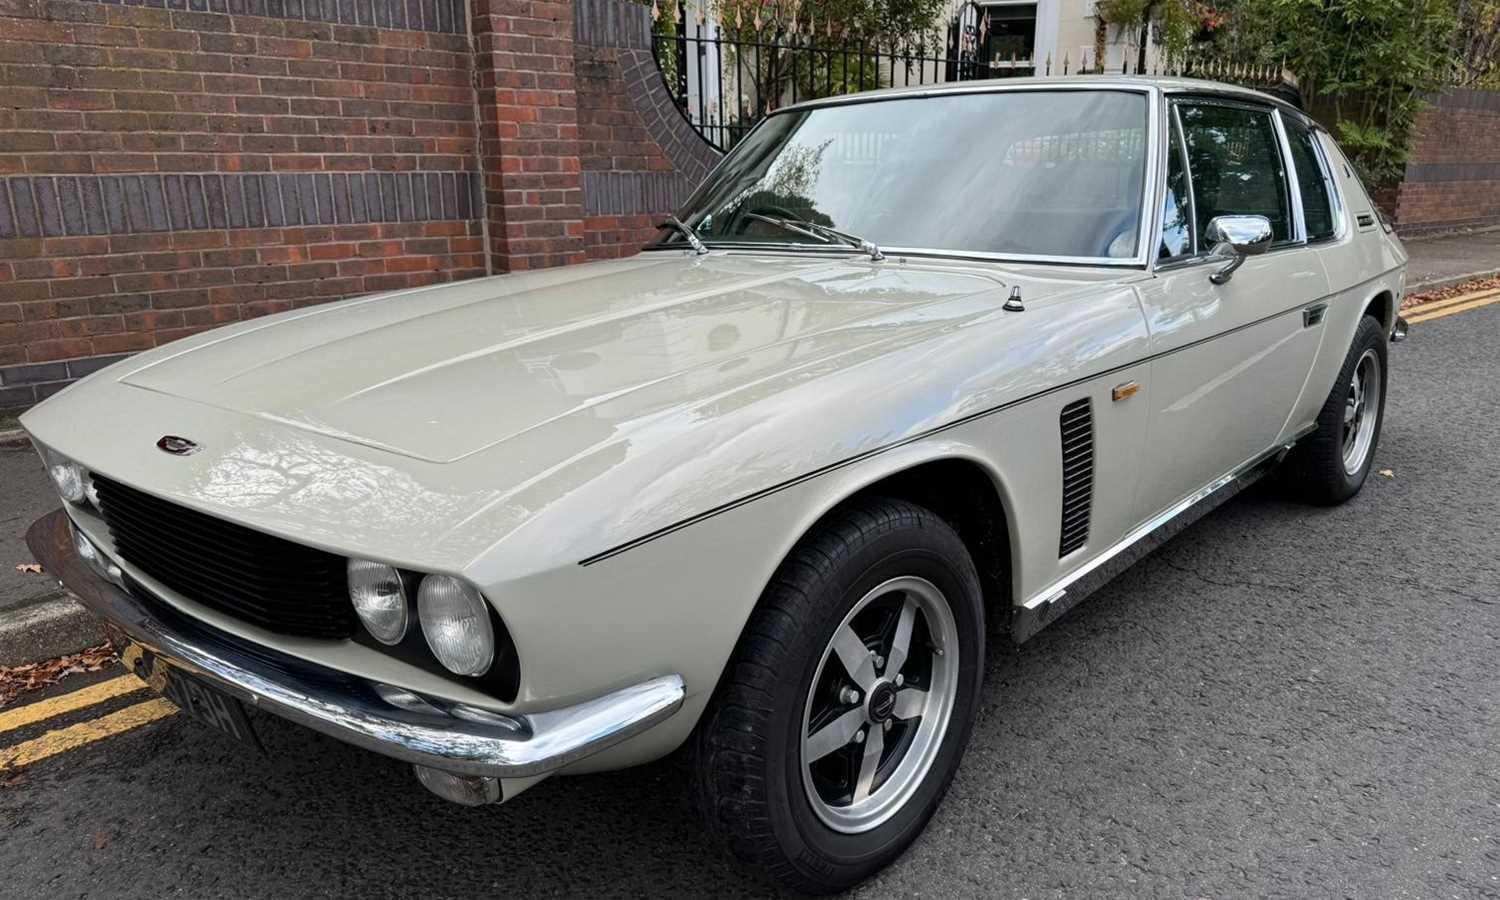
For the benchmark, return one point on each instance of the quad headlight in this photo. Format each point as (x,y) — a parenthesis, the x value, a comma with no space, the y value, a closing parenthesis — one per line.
(456,623)
(379,598)
(453,615)
(71,480)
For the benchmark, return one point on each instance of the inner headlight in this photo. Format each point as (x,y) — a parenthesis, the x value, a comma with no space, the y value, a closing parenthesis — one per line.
(67,476)
(379,597)
(456,623)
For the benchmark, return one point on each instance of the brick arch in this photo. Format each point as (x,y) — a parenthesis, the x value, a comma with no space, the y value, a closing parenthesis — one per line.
(639,156)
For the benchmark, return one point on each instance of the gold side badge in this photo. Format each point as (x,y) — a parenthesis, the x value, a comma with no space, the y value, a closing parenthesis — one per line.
(1125,391)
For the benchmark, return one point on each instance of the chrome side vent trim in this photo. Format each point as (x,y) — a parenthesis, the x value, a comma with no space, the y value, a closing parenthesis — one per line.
(1077,426)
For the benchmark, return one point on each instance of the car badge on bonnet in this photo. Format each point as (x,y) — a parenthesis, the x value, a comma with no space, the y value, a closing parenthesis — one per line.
(177,446)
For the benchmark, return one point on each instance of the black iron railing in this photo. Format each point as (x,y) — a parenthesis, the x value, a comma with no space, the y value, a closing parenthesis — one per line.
(723,84)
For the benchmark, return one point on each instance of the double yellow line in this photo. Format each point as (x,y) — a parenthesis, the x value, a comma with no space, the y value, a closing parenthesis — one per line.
(62,740)
(1452,306)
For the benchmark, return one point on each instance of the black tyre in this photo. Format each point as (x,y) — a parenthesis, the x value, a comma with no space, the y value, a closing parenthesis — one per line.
(828,746)
(1330,465)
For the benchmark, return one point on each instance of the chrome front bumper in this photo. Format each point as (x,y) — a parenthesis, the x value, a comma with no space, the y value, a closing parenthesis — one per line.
(350,709)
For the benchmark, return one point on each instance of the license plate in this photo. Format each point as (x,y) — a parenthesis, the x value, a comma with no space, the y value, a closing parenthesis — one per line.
(195,697)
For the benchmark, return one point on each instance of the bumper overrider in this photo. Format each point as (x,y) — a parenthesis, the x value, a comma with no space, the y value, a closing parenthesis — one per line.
(476,750)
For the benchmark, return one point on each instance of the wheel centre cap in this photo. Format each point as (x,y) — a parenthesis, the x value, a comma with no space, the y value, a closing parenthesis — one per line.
(882,701)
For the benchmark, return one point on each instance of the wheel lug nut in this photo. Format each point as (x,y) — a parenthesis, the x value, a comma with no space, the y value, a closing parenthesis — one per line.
(849,696)
(859,736)
(888,724)
(900,680)
(879,661)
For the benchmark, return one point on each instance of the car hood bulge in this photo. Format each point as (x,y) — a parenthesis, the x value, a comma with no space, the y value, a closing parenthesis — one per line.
(441,373)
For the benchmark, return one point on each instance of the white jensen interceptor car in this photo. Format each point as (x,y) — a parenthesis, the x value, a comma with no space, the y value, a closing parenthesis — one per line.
(910,369)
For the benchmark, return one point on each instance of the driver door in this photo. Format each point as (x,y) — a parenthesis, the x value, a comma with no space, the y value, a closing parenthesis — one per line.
(1228,361)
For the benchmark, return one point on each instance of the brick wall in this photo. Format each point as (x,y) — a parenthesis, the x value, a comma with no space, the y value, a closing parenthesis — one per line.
(1453,177)
(163,171)
(528,113)
(167,166)
(639,158)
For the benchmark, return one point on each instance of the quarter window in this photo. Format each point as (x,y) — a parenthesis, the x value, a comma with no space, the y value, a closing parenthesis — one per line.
(1312,180)
(1235,163)
(1177,212)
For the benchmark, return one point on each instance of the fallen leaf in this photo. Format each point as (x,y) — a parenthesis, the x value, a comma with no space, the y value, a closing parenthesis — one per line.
(17,680)
(30,568)
(1387,473)
(1467,287)
(101,840)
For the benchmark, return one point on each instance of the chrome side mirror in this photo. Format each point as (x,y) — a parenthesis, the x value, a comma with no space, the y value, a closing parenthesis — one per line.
(1236,237)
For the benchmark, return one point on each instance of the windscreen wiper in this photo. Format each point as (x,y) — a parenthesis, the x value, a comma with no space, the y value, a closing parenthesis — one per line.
(682,228)
(864,245)
(821,232)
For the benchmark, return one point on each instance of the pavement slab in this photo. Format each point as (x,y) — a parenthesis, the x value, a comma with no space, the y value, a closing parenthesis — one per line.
(1448,259)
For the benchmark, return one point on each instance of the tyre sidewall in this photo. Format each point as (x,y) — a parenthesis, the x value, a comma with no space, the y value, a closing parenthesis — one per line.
(1367,337)
(820,852)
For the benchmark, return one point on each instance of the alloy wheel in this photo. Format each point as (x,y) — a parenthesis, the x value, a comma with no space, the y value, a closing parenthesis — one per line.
(1361,412)
(880,704)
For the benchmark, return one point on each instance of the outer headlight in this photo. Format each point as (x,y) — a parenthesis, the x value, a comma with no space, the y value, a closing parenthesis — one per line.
(379,597)
(456,623)
(68,477)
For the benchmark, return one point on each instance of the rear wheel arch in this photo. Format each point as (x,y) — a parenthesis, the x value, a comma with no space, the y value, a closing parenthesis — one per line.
(1382,307)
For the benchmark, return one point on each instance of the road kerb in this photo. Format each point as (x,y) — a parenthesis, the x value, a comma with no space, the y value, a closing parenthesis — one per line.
(48,628)
(1451,306)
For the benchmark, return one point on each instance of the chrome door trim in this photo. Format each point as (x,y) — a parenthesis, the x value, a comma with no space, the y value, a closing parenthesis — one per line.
(1045,606)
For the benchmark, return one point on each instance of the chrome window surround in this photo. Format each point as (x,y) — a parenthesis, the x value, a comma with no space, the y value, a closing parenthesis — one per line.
(1294,200)
(1293,186)
(1325,166)
(1146,234)
(1168,121)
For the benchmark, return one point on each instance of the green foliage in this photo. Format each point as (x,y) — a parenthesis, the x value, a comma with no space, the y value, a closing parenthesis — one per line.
(1476,43)
(1178,20)
(1363,66)
(838,72)
(879,20)
(668,55)
(781,49)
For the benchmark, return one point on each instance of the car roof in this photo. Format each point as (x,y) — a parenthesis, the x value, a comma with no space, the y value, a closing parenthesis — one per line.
(1169,84)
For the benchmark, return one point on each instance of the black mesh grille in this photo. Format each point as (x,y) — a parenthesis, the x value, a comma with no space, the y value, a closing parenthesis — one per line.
(263,580)
(1077,424)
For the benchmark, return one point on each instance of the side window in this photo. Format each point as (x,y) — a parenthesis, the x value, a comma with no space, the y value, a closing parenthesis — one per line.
(1312,180)
(1177,213)
(1235,162)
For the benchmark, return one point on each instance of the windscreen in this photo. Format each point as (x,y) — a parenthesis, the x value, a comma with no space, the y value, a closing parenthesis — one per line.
(1023,173)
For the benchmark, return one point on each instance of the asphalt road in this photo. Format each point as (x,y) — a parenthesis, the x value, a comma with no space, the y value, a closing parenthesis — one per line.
(1282,702)
(25,493)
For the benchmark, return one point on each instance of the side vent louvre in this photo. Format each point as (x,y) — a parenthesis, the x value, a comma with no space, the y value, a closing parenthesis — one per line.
(1077,424)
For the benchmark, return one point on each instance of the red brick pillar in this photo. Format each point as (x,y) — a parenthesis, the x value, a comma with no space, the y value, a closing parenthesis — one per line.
(528,132)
